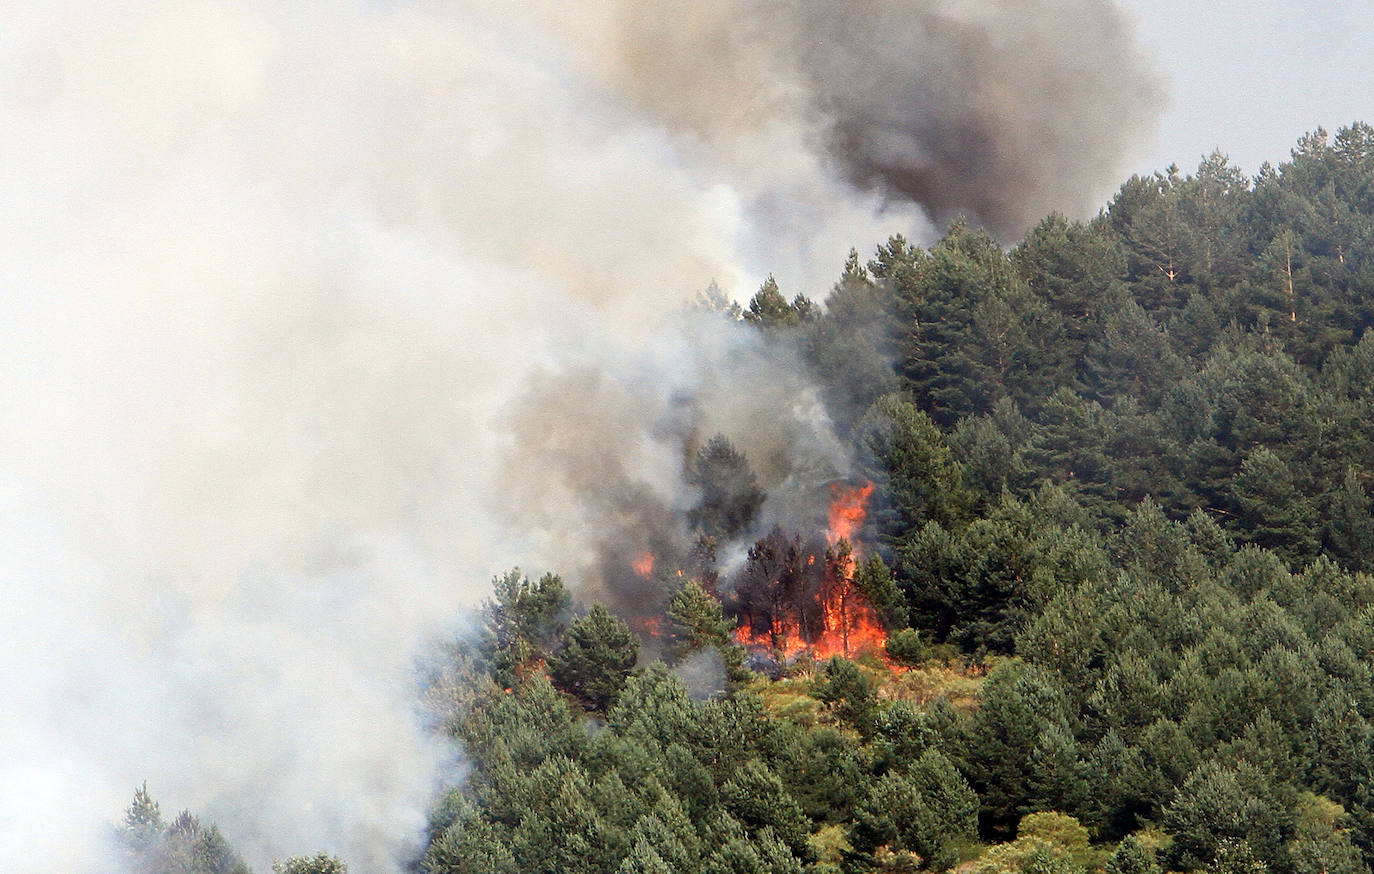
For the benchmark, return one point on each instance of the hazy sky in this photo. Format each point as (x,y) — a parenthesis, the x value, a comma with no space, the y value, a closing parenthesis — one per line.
(1251,76)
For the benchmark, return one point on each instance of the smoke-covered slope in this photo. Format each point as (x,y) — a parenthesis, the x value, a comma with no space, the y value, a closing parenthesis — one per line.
(276,276)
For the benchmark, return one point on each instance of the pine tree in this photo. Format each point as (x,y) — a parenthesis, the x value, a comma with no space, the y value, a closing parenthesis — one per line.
(1132,857)
(1133,357)
(696,621)
(848,693)
(853,345)
(903,452)
(599,651)
(1223,814)
(1017,705)
(1162,244)
(757,799)
(1273,510)
(143,819)
(521,619)
(730,495)
(879,588)
(770,310)
(1070,265)
(1212,201)
(644,859)
(973,331)
(670,837)
(920,813)
(1350,529)
(322,863)
(471,847)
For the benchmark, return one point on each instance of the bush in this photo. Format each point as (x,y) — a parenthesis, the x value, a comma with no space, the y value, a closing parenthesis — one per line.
(906,648)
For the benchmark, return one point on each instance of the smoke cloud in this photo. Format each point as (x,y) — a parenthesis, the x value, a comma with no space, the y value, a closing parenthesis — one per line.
(315,317)
(1000,111)
(595,471)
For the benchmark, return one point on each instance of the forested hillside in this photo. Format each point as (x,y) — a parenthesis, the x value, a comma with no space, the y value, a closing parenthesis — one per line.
(1095,595)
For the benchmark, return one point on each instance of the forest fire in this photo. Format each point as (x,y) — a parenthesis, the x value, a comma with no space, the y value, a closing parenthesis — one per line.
(643,563)
(848,510)
(790,603)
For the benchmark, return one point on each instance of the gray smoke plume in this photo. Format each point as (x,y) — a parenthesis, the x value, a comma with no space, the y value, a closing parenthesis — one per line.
(1001,111)
(317,316)
(598,470)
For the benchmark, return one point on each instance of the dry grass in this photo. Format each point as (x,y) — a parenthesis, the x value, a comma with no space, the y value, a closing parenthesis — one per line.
(790,697)
(922,685)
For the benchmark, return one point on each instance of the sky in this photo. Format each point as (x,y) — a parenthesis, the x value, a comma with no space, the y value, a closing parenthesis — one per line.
(314,316)
(1249,77)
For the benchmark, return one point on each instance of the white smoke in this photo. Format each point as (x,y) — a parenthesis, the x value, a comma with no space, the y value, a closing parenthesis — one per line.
(271,273)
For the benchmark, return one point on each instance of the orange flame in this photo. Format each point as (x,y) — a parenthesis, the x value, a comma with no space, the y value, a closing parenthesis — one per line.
(643,563)
(850,624)
(848,510)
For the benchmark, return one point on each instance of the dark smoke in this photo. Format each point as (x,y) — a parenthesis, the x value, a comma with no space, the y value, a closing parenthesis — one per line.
(1003,111)
(599,472)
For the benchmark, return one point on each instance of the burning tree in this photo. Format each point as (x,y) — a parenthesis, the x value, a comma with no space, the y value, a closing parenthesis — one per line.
(796,595)
(777,594)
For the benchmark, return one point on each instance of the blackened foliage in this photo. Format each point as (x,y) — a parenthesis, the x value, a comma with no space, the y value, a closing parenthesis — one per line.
(779,588)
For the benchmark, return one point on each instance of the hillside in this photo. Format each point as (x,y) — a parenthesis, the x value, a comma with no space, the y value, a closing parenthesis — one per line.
(1095,594)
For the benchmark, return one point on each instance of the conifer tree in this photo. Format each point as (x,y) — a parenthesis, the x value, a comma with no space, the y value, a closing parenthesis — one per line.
(143,822)
(322,863)
(730,495)
(1132,857)
(599,651)
(875,581)
(522,619)
(696,621)
(1272,508)
(903,452)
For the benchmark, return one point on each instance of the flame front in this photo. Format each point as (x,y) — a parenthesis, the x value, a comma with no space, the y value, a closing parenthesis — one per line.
(848,511)
(848,624)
